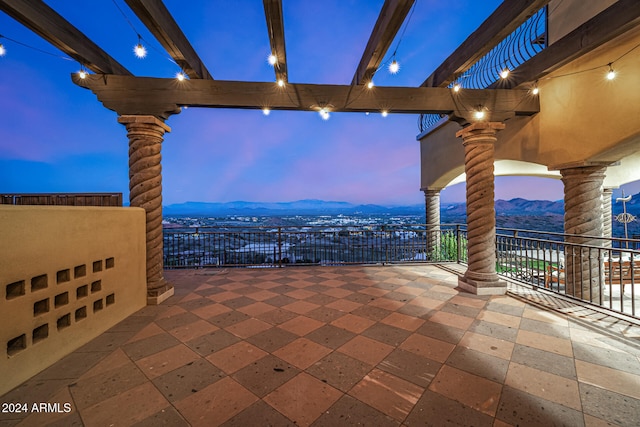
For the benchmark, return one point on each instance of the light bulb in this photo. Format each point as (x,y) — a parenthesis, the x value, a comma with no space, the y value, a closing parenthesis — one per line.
(140,51)
(394,67)
(535,90)
(82,74)
(266,111)
(324,114)
(479,114)
(611,74)
(385,113)
(272,59)
(281,83)
(370,84)
(3,51)
(456,87)
(180,76)
(504,73)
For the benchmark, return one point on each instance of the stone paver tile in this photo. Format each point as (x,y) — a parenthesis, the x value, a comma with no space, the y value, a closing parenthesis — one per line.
(258,411)
(167,360)
(224,296)
(499,318)
(486,344)
(188,379)
(330,336)
(248,328)
(265,375)
(344,305)
(170,312)
(353,323)
(403,321)
(262,295)
(256,308)
(519,408)
(348,411)
(365,349)
(376,292)
(193,330)
(468,301)
(115,360)
(410,366)
(507,300)
(436,410)
(206,344)
(441,332)
(210,310)
(301,325)
(428,347)
(387,304)
(272,339)
(216,403)
(543,385)
(49,418)
(302,352)
(410,290)
(622,361)
(387,334)
(303,399)
(236,356)
(544,316)
(165,417)
(88,391)
(148,346)
(277,316)
(426,302)
(387,393)
(339,370)
(545,361)
(132,406)
(300,307)
(474,391)
(545,342)
(373,313)
(148,331)
(337,292)
(608,405)
(479,363)
(610,379)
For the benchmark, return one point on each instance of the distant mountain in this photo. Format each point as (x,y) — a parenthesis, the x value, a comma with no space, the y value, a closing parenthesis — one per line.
(511,207)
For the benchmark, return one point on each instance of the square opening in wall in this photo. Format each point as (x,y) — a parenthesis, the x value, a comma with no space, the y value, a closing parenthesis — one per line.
(16,345)
(39,282)
(15,289)
(96,286)
(97,266)
(40,333)
(61,299)
(64,321)
(97,305)
(81,313)
(110,262)
(111,298)
(41,307)
(63,276)
(82,291)
(79,271)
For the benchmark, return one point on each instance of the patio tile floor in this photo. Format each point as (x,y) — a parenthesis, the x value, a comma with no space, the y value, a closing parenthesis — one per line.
(339,346)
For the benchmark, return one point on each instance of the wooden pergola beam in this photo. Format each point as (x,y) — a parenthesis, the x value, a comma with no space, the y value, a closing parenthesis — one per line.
(389,21)
(617,19)
(502,22)
(163,97)
(157,18)
(275,27)
(48,24)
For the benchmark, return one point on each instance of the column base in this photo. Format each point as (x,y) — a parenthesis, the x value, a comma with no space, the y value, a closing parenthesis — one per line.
(477,287)
(158,296)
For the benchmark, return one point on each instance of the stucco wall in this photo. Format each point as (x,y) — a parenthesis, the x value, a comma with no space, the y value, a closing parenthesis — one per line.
(67,274)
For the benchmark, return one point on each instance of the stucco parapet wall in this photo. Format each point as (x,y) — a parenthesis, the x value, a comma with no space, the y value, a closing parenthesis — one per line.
(67,274)
(152,120)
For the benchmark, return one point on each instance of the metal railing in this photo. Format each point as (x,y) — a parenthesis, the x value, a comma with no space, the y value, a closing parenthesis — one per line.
(277,246)
(62,199)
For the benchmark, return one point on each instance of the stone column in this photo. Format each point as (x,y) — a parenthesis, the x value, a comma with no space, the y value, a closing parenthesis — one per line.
(583,216)
(432,209)
(145,191)
(607,216)
(481,277)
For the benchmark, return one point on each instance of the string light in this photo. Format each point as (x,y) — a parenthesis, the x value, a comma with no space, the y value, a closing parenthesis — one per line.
(139,50)
(281,83)
(324,113)
(266,111)
(394,67)
(504,73)
(82,73)
(180,76)
(384,113)
(456,87)
(3,51)
(611,74)
(370,84)
(479,113)
(272,59)
(535,89)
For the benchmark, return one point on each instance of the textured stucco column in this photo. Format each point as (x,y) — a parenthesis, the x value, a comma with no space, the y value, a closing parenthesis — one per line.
(607,216)
(145,190)
(481,277)
(432,210)
(583,216)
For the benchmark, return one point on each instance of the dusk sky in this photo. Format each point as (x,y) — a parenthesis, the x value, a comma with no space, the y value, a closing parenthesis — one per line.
(56,137)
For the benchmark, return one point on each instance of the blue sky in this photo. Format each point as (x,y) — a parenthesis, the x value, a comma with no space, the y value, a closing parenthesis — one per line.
(56,137)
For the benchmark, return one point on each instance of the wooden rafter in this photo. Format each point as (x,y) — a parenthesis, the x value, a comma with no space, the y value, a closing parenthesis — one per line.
(275,27)
(389,21)
(163,97)
(157,18)
(48,24)
(617,19)
(502,22)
